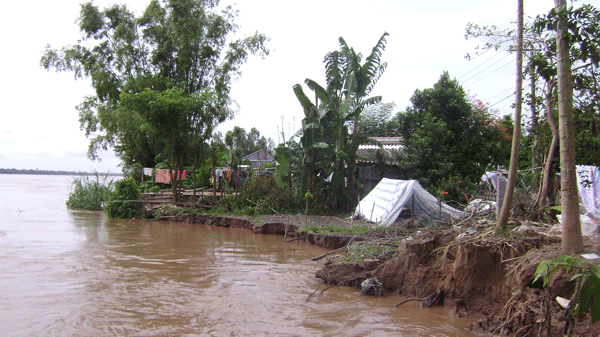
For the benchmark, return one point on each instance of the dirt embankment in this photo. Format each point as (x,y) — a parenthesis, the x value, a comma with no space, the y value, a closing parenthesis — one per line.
(480,273)
(475,271)
(286,225)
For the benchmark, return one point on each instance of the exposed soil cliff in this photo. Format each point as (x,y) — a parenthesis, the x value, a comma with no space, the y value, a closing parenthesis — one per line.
(474,271)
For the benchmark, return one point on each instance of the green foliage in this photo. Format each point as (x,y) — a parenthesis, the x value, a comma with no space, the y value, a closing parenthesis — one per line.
(263,190)
(583,29)
(587,293)
(260,195)
(445,133)
(456,189)
(283,173)
(89,193)
(122,202)
(378,121)
(242,143)
(333,229)
(203,178)
(162,80)
(133,171)
(327,146)
(268,165)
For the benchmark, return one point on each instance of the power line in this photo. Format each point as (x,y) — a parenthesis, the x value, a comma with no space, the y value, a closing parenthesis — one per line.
(491,65)
(482,63)
(495,70)
(479,55)
(502,100)
(500,93)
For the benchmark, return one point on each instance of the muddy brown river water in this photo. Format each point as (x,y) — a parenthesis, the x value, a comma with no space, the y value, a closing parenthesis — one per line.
(78,273)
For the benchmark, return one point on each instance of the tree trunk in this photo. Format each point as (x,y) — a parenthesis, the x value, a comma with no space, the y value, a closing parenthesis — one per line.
(547,179)
(572,241)
(536,151)
(214,173)
(514,155)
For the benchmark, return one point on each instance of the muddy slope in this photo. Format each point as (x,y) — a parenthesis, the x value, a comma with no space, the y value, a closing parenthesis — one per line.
(477,272)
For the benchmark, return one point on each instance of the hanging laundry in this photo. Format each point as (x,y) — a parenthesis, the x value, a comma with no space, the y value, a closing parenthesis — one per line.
(162,176)
(180,174)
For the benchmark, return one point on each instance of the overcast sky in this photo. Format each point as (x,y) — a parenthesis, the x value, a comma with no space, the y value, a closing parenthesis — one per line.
(40,127)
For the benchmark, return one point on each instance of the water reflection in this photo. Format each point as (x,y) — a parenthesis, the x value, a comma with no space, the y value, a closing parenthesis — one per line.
(89,223)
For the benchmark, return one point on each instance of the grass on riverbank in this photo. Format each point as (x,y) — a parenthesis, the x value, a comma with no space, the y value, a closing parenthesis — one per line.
(333,229)
(88,193)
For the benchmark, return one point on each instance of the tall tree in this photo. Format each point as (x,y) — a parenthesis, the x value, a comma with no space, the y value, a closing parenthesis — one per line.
(514,156)
(162,80)
(583,24)
(446,135)
(572,241)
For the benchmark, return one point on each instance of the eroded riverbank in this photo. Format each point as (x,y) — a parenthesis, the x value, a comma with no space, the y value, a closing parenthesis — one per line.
(474,272)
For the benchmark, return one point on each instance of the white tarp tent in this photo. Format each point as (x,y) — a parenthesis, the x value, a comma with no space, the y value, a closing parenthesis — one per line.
(385,202)
(588,180)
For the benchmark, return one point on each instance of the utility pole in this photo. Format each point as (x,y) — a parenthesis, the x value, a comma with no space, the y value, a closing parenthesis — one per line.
(282,129)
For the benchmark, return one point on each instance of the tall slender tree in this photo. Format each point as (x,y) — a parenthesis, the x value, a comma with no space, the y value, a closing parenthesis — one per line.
(514,157)
(572,241)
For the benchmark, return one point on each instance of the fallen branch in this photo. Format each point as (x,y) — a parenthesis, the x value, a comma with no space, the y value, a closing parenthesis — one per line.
(408,300)
(327,254)
(296,239)
(320,294)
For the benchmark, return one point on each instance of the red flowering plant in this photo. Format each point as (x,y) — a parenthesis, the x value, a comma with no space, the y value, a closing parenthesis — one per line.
(456,191)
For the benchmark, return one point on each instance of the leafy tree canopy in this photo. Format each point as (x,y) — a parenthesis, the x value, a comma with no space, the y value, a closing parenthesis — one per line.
(447,134)
(162,80)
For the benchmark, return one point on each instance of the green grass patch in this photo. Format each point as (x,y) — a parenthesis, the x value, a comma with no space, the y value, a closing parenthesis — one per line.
(358,253)
(90,193)
(332,229)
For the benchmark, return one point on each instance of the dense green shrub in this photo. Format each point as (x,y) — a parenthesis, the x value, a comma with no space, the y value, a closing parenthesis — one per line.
(149,186)
(260,195)
(90,193)
(263,189)
(122,201)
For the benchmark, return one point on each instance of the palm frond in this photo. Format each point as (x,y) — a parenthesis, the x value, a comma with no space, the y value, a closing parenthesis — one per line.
(321,93)
(368,102)
(334,72)
(304,100)
(373,68)
(375,78)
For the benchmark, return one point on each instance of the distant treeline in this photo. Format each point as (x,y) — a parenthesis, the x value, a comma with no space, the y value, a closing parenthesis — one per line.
(51,172)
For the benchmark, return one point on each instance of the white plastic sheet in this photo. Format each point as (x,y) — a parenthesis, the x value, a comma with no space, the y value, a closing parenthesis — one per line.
(588,181)
(385,202)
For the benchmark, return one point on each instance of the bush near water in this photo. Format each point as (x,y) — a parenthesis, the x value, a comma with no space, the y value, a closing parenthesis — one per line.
(123,201)
(119,198)
(89,193)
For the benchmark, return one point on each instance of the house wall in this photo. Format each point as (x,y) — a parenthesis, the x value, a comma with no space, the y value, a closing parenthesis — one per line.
(369,175)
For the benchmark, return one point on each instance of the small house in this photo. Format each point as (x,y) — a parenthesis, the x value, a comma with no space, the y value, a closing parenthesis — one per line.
(259,158)
(376,160)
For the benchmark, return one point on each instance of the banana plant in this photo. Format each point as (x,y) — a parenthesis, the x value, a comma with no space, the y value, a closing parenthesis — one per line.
(339,105)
